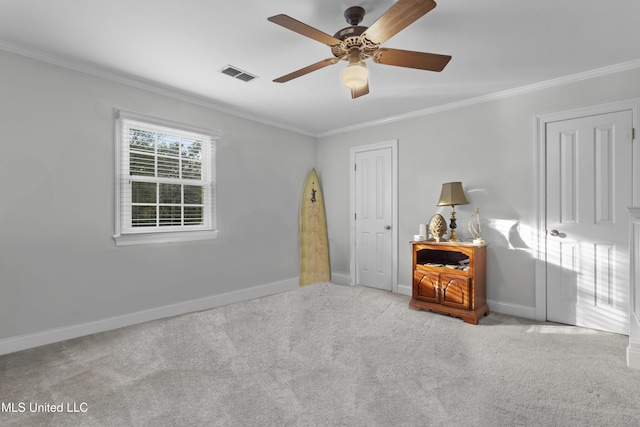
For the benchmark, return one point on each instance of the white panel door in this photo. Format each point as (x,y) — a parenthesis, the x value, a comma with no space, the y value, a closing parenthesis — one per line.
(588,188)
(373,220)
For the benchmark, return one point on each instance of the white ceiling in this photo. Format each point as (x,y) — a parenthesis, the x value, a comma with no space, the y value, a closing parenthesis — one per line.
(497,45)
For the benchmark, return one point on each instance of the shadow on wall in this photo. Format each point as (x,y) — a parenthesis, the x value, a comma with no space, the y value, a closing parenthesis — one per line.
(510,252)
(513,256)
(500,223)
(508,231)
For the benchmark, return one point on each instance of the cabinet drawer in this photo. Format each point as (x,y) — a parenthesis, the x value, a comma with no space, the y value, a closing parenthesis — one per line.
(425,286)
(455,291)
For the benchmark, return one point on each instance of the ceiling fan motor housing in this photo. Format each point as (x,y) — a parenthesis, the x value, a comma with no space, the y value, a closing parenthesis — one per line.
(350,36)
(349,32)
(351,39)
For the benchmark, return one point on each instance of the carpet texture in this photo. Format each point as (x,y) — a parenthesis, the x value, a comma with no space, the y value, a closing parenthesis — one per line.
(325,355)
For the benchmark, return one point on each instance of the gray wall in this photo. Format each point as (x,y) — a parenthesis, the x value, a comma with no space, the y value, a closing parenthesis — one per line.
(490,147)
(59,265)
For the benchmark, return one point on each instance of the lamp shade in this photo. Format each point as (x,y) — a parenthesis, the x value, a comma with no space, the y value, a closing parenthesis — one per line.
(354,76)
(452,194)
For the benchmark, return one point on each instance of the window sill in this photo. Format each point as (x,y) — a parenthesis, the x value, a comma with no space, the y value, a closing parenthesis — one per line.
(159,238)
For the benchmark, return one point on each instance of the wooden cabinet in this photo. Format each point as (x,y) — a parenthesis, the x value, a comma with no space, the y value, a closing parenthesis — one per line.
(450,278)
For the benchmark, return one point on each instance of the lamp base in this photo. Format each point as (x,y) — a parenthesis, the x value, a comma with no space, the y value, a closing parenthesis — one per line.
(453,226)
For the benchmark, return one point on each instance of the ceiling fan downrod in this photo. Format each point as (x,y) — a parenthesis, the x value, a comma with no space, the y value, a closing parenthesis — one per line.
(354,15)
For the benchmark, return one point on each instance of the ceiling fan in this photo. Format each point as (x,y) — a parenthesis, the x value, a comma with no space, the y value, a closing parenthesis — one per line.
(357,43)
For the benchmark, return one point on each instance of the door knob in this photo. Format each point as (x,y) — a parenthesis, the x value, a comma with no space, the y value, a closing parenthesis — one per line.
(554,233)
(387,227)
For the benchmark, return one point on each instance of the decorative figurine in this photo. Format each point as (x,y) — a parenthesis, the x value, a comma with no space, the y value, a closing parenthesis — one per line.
(474,227)
(437,227)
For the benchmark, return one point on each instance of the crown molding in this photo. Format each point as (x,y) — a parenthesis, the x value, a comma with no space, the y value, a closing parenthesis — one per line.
(491,97)
(139,83)
(161,89)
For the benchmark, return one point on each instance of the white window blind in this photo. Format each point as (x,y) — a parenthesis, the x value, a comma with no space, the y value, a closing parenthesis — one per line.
(165,181)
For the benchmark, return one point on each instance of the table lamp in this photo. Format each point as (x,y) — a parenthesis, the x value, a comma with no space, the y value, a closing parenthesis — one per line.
(452,194)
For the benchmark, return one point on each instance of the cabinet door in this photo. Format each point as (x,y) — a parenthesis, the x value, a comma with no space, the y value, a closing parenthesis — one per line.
(455,291)
(426,286)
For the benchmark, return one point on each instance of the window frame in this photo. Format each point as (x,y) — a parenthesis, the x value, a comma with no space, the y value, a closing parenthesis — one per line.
(125,234)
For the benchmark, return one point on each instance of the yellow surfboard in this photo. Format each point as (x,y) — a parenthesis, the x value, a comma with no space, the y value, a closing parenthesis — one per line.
(314,245)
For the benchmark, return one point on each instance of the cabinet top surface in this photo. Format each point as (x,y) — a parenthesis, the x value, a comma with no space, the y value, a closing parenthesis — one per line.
(445,244)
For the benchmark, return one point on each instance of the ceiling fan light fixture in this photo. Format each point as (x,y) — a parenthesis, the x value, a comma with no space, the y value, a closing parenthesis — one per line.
(358,43)
(355,75)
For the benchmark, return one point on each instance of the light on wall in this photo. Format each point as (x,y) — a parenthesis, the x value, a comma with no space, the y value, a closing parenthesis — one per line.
(452,194)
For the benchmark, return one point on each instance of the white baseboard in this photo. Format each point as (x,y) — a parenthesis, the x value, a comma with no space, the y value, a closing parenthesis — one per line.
(494,306)
(512,309)
(405,290)
(345,279)
(340,278)
(23,342)
(633,355)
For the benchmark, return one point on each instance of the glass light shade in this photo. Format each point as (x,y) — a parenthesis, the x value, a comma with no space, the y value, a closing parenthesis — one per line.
(452,195)
(354,76)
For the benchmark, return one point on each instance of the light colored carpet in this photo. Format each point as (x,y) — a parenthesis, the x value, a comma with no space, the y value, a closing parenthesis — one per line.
(327,355)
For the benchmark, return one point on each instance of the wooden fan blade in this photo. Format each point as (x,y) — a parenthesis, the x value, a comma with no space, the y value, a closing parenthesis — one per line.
(306,70)
(411,59)
(398,17)
(304,29)
(355,93)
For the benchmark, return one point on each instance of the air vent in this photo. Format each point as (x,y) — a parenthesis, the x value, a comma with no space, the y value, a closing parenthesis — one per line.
(237,73)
